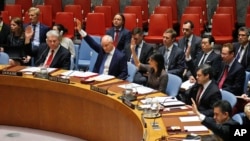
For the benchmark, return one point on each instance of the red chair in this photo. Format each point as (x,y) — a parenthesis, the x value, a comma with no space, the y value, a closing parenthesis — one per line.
(56,6)
(222,28)
(6,17)
(130,21)
(195,18)
(93,27)
(165,10)
(67,20)
(115,6)
(135,10)
(144,5)
(15,10)
(26,4)
(86,6)
(158,23)
(203,5)
(173,5)
(228,3)
(248,9)
(107,13)
(248,20)
(76,10)
(196,10)
(46,11)
(227,10)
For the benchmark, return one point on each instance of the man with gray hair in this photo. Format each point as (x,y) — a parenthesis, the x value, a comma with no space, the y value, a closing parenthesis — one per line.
(51,54)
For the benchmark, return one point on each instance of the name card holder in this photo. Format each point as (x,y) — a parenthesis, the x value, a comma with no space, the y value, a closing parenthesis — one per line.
(58,79)
(11,73)
(98,89)
(128,103)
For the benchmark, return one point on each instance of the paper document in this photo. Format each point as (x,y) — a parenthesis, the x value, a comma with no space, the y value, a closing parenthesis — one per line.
(36,69)
(79,74)
(189,119)
(138,88)
(102,77)
(195,128)
(159,99)
(173,103)
(186,85)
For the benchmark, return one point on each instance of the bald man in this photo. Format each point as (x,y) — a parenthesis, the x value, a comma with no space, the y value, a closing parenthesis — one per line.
(110,60)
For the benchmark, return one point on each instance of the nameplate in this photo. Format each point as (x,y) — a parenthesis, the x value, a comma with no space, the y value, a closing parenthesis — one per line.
(98,89)
(11,73)
(128,103)
(58,79)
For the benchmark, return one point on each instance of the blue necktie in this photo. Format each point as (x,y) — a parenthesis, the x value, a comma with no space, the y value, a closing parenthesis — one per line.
(136,51)
(103,62)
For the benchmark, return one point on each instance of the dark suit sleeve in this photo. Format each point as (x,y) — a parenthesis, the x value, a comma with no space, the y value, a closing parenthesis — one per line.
(66,61)
(123,68)
(179,64)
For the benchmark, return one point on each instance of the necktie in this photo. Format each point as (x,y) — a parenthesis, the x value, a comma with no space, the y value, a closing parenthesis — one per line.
(47,64)
(199,94)
(186,45)
(136,51)
(223,77)
(116,37)
(166,56)
(239,54)
(101,70)
(34,29)
(203,59)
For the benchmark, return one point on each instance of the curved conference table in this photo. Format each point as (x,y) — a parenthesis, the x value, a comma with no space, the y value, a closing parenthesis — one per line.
(71,109)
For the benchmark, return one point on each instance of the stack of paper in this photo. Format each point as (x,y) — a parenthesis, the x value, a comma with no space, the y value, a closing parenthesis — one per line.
(79,74)
(36,69)
(140,89)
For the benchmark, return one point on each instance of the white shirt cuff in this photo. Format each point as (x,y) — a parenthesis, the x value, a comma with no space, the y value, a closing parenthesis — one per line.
(188,58)
(202,117)
(83,33)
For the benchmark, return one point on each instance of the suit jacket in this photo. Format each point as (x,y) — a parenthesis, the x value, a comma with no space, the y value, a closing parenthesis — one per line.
(43,30)
(245,62)
(195,45)
(235,79)
(214,60)
(176,64)
(209,97)
(4,34)
(60,60)
(221,130)
(118,64)
(146,52)
(124,37)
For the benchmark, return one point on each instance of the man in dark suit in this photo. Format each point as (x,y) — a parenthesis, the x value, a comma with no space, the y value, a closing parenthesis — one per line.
(207,56)
(143,50)
(52,54)
(121,36)
(205,92)
(4,31)
(232,74)
(189,39)
(221,123)
(174,56)
(110,60)
(243,48)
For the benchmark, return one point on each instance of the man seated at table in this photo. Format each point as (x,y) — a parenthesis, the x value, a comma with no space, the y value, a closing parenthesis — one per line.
(221,122)
(110,60)
(205,92)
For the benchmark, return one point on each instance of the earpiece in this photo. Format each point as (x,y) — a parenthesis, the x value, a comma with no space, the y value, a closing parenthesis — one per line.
(212,44)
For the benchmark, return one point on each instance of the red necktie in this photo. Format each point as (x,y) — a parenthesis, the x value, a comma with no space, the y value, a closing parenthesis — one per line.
(50,58)
(116,37)
(199,94)
(224,76)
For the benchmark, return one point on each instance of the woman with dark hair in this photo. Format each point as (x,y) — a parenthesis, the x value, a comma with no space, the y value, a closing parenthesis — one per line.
(16,39)
(156,73)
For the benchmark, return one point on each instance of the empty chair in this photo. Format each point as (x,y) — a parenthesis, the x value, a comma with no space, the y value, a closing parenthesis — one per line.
(174,84)
(230,97)
(155,32)
(246,81)
(86,52)
(203,5)
(46,11)
(222,28)
(173,5)
(4,58)
(85,5)
(26,4)
(227,10)
(131,72)
(228,3)
(56,6)
(115,5)
(93,27)
(131,21)
(136,10)
(106,10)
(238,118)
(165,10)
(67,20)
(144,6)
(15,10)
(76,10)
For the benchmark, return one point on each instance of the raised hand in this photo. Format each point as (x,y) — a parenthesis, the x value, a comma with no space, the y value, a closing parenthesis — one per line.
(29,32)
(78,25)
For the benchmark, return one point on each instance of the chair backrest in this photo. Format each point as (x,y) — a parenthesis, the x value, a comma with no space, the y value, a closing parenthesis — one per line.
(227,10)
(107,13)
(76,46)
(196,10)
(93,27)
(56,6)
(115,5)
(15,10)
(46,10)
(144,5)
(4,58)
(76,10)
(157,19)
(85,5)
(131,72)
(238,118)
(246,81)
(222,25)
(228,3)
(203,5)
(165,10)
(173,5)
(173,85)
(136,10)
(93,58)
(26,4)
(131,21)
(67,20)
(230,97)
(6,17)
